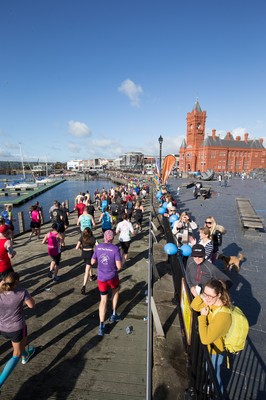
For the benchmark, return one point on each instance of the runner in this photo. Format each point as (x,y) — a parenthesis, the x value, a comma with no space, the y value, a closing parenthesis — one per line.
(54,240)
(12,322)
(108,258)
(86,243)
(125,230)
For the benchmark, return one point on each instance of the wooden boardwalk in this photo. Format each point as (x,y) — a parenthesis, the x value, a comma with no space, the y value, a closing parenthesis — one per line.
(71,360)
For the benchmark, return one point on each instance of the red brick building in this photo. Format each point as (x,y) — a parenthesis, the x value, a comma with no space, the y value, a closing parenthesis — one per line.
(199,153)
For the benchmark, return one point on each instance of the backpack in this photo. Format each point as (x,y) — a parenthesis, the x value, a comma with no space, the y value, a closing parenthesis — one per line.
(235,339)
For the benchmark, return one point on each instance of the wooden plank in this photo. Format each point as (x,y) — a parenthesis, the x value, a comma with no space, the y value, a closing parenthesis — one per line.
(251,217)
(156,319)
(250,224)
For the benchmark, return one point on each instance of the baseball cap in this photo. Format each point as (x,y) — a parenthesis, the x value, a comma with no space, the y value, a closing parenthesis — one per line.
(198,250)
(4,228)
(108,236)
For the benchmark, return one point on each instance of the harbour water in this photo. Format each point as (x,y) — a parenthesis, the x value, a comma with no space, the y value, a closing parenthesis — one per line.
(67,190)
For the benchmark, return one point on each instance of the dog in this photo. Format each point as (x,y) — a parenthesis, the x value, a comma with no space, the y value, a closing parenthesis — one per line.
(231,261)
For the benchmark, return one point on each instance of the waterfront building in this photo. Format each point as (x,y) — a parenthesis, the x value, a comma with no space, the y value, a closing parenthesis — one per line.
(132,161)
(199,152)
(86,165)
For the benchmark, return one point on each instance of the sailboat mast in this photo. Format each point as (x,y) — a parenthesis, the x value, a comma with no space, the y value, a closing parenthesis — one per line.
(22,161)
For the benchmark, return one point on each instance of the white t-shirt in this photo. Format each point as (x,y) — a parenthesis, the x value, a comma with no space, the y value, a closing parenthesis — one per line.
(124,228)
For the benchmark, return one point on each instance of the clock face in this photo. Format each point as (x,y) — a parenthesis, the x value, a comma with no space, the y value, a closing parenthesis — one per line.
(199,126)
(191,126)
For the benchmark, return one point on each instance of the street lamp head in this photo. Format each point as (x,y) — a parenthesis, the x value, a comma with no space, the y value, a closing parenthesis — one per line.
(160,139)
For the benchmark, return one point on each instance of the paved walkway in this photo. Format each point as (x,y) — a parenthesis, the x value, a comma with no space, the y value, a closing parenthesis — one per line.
(248,291)
(71,361)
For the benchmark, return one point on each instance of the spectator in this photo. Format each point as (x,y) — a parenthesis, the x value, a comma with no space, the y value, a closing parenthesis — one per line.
(205,240)
(199,271)
(212,329)
(183,229)
(216,235)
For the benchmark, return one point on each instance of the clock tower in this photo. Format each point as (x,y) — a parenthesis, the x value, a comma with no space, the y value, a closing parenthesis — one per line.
(195,127)
(195,136)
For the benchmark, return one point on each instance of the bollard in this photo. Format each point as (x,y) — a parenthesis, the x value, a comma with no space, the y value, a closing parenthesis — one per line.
(21,223)
(42,217)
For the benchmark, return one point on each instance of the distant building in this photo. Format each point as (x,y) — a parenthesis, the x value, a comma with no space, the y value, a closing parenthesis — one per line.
(41,169)
(199,153)
(86,165)
(132,161)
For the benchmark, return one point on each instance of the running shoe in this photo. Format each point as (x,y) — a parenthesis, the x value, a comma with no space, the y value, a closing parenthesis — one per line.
(50,274)
(83,291)
(30,352)
(101,330)
(56,278)
(115,318)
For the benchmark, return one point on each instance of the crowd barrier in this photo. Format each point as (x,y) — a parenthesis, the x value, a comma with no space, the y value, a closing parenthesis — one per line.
(202,379)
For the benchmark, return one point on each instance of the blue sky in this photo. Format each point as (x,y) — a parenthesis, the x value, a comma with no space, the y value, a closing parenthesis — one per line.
(81,79)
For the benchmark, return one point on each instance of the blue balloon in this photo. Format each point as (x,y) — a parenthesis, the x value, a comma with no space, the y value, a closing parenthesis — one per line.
(159,194)
(170,248)
(165,204)
(186,250)
(173,218)
(162,210)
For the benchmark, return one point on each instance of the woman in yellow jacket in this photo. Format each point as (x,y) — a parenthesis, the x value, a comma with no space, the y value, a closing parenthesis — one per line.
(213,328)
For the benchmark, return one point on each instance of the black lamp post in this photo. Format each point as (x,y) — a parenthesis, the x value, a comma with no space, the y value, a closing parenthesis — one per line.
(160,158)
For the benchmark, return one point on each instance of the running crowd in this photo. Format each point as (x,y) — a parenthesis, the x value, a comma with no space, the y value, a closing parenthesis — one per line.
(121,213)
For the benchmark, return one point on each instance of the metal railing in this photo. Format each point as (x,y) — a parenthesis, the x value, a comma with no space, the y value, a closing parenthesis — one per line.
(202,379)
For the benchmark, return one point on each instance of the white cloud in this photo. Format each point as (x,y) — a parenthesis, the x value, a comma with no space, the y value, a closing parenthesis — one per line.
(78,129)
(132,91)
(103,142)
(239,132)
(5,154)
(74,148)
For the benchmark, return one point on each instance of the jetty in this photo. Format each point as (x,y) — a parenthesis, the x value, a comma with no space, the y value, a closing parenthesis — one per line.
(17,197)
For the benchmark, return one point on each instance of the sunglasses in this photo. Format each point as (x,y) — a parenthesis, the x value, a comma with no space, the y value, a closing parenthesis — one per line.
(10,284)
(208,222)
(209,296)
